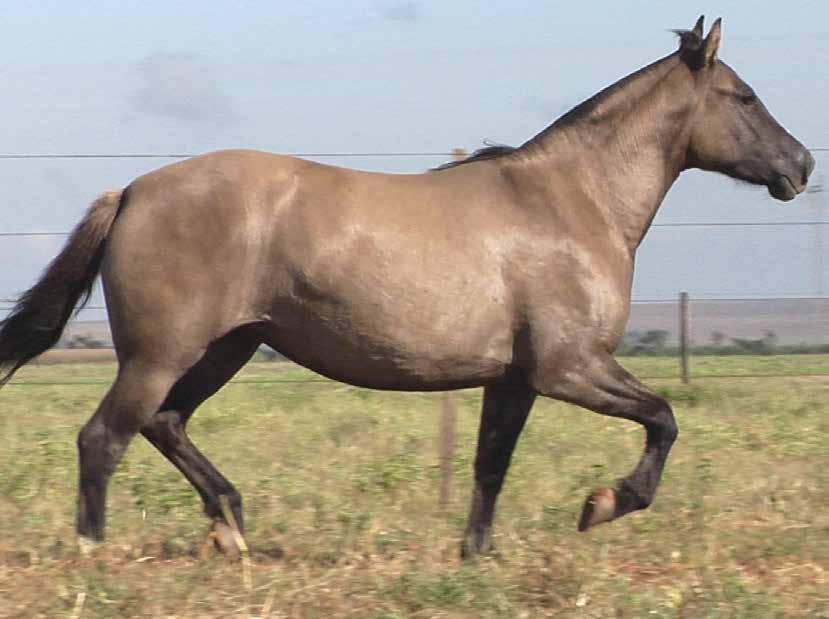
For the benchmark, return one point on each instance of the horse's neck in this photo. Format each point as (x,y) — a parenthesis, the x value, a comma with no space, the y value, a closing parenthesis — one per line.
(626,150)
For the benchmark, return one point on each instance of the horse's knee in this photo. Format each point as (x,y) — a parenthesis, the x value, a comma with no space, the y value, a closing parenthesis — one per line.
(167,420)
(98,452)
(96,446)
(92,436)
(662,425)
(164,428)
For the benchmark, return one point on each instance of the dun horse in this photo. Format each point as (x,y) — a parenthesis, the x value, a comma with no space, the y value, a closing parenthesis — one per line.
(511,271)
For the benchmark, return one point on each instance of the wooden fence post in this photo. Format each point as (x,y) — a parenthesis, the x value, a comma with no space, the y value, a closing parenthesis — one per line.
(448,421)
(684,336)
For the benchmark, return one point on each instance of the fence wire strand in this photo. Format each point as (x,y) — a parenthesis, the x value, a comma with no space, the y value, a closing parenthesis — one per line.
(678,224)
(325,381)
(727,297)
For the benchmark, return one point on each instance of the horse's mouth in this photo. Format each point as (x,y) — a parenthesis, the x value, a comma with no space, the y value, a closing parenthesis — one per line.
(782,188)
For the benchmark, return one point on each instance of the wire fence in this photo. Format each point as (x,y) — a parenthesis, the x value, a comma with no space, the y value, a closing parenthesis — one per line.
(718,297)
(371,154)
(326,155)
(334,383)
(7,305)
(344,154)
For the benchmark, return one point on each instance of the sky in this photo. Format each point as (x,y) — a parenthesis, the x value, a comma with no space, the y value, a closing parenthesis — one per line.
(393,76)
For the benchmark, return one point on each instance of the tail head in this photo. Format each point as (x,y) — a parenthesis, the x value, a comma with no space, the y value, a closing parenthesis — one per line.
(37,320)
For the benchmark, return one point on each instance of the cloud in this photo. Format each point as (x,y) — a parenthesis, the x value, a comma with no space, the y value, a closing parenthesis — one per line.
(406,11)
(181,86)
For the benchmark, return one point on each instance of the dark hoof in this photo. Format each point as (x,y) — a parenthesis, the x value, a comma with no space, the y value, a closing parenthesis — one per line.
(598,508)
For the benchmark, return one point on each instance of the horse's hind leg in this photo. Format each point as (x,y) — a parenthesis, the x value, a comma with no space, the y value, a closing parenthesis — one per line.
(505,410)
(135,395)
(603,386)
(166,429)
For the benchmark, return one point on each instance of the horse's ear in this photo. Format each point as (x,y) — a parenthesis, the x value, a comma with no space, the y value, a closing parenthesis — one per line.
(690,43)
(697,29)
(712,43)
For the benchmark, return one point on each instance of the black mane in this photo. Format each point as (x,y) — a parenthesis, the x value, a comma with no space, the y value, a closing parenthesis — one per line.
(487,152)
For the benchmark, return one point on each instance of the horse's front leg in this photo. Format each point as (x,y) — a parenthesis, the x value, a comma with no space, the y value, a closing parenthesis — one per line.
(505,410)
(602,385)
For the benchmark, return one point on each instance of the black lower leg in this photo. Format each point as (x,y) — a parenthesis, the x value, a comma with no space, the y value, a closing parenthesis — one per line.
(99,451)
(505,411)
(94,476)
(167,433)
(638,489)
(166,429)
(136,394)
(600,384)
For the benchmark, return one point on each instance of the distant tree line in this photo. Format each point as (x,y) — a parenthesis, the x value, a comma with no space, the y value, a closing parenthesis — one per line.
(654,343)
(651,343)
(83,341)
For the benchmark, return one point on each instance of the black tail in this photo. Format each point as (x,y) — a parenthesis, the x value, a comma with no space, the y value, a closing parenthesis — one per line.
(37,320)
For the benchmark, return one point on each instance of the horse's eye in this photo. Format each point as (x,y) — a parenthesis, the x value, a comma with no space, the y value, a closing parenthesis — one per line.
(748,99)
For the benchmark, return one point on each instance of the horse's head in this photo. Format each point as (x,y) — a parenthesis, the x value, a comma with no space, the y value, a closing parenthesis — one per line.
(732,131)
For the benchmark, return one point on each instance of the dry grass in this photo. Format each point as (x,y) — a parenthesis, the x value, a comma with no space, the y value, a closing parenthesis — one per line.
(341,491)
(76,355)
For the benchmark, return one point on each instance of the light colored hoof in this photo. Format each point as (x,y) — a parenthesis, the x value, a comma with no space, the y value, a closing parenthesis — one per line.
(87,545)
(224,539)
(599,507)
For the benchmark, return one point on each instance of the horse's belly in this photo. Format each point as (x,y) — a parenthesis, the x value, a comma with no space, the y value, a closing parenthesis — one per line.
(431,350)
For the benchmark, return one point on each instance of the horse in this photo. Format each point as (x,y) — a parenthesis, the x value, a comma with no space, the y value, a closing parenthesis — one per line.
(510,271)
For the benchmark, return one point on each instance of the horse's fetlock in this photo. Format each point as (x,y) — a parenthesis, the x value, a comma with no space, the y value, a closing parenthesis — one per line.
(631,498)
(234,500)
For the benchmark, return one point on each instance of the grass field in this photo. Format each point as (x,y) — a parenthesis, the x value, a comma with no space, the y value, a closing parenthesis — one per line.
(341,484)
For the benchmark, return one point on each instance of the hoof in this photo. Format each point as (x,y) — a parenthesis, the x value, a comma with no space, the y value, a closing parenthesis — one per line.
(87,545)
(224,540)
(471,551)
(599,507)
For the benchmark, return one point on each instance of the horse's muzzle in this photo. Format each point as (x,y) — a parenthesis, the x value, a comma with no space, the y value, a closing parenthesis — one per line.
(788,185)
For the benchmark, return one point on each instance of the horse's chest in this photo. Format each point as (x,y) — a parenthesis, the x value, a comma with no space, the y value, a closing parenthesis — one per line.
(580,297)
